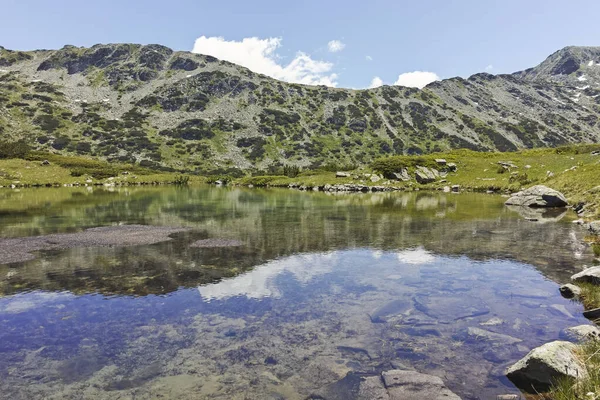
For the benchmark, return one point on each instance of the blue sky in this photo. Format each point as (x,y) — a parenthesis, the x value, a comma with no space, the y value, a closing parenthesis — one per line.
(373,38)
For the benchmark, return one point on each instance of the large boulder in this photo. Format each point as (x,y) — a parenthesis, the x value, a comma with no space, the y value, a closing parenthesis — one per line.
(538,196)
(589,275)
(426,175)
(544,365)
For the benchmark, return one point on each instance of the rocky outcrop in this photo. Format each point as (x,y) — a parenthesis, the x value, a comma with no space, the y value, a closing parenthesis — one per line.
(581,333)
(538,196)
(589,275)
(543,365)
(425,175)
(402,175)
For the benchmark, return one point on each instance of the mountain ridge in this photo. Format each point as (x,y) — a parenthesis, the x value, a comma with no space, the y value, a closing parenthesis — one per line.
(164,108)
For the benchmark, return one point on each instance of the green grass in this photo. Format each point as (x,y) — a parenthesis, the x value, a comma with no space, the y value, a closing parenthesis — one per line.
(72,170)
(566,389)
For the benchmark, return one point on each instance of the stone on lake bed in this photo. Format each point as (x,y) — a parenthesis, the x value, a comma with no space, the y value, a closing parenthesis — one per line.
(543,365)
(411,385)
(13,250)
(589,275)
(215,243)
(482,334)
(538,196)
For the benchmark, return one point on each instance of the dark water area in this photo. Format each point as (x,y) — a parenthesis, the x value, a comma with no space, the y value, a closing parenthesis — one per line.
(276,294)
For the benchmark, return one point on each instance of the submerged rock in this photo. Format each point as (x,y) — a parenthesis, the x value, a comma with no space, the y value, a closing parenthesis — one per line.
(411,385)
(538,196)
(482,334)
(543,365)
(590,275)
(581,333)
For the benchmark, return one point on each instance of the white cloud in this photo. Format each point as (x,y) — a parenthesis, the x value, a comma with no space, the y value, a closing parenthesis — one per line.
(417,79)
(489,67)
(260,55)
(416,256)
(376,82)
(368,58)
(335,45)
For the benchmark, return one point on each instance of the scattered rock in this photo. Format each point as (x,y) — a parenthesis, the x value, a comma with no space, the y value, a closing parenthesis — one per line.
(592,314)
(589,275)
(446,189)
(402,175)
(581,333)
(569,291)
(45,162)
(543,365)
(411,385)
(538,196)
(507,164)
(492,322)
(342,174)
(594,227)
(375,178)
(456,188)
(451,167)
(440,161)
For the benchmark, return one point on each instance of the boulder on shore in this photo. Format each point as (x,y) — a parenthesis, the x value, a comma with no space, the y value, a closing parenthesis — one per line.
(402,175)
(589,275)
(538,196)
(543,365)
(569,291)
(581,333)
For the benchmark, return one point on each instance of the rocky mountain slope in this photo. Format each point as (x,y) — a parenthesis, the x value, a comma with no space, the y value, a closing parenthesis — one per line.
(157,107)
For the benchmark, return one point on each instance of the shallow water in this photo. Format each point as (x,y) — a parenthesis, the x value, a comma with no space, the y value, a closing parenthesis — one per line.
(300,290)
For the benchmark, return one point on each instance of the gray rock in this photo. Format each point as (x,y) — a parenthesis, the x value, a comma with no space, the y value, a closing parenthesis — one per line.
(440,161)
(402,175)
(456,188)
(594,227)
(569,291)
(425,175)
(543,365)
(592,314)
(538,196)
(451,167)
(411,385)
(589,275)
(581,333)
(375,178)
(342,175)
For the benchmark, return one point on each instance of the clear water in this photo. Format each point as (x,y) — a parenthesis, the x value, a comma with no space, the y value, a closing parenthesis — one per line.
(457,286)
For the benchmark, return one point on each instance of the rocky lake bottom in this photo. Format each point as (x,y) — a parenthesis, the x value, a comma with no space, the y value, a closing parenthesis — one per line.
(258,294)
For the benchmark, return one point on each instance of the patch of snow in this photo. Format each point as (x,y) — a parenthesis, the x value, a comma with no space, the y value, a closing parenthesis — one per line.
(3,70)
(188,76)
(583,87)
(558,101)
(582,78)
(36,80)
(106,100)
(591,63)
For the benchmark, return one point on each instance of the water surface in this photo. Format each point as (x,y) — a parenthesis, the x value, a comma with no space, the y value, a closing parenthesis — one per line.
(322,285)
